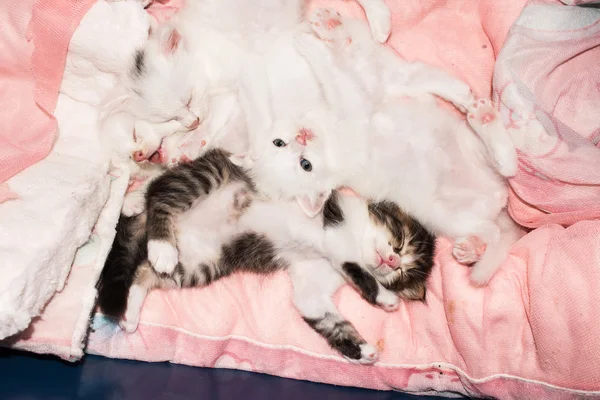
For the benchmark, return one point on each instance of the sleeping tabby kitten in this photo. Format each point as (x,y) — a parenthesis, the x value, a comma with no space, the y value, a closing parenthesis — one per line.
(207,217)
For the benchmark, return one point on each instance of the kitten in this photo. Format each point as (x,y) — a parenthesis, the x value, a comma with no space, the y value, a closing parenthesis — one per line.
(220,225)
(159,96)
(409,151)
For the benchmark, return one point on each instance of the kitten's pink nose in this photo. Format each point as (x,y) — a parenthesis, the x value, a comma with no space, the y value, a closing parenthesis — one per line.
(392,261)
(194,124)
(138,156)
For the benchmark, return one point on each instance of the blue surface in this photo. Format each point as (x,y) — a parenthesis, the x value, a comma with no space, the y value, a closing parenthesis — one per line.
(28,376)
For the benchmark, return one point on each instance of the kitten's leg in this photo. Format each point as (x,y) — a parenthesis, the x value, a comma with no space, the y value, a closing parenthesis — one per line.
(315,282)
(369,288)
(379,17)
(485,121)
(496,251)
(416,78)
(324,67)
(468,250)
(134,203)
(404,78)
(145,279)
(173,193)
(255,102)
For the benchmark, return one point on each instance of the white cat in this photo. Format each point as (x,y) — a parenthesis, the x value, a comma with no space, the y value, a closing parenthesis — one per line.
(409,151)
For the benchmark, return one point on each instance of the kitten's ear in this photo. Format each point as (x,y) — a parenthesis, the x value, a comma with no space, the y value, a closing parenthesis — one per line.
(114,101)
(312,205)
(241,160)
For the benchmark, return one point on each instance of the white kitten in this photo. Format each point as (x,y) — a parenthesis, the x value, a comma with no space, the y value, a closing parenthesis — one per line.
(406,150)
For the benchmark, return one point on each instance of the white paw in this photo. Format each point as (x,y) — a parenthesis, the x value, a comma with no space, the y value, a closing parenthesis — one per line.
(387,300)
(463,102)
(326,23)
(163,256)
(134,204)
(368,354)
(380,21)
(468,250)
(128,326)
(481,276)
(498,142)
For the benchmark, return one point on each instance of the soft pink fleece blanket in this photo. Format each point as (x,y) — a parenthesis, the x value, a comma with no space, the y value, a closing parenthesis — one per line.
(34,40)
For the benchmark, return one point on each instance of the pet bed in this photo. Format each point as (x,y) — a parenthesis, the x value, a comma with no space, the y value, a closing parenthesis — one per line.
(532,333)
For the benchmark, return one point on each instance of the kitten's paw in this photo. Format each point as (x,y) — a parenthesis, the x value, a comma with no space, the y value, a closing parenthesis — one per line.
(480,275)
(468,250)
(128,326)
(134,204)
(163,256)
(368,354)
(387,300)
(358,353)
(464,98)
(380,21)
(326,23)
(482,113)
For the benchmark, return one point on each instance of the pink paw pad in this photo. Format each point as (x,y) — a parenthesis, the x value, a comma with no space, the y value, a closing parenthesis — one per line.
(468,250)
(327,25)
(482,112)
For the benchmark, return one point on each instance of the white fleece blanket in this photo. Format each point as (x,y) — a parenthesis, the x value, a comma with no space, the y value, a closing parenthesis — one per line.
(61,197)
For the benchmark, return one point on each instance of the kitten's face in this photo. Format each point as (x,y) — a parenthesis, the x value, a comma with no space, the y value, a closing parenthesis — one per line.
(166,84)
(291,162)
(398,250)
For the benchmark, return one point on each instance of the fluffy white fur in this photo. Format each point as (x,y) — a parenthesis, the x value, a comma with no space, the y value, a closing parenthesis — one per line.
(192,64)
(386,146)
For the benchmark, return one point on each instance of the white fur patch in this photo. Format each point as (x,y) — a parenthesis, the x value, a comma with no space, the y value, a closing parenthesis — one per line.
(162,255)
(135,300)
(134,203)
(387,300)
(369,354)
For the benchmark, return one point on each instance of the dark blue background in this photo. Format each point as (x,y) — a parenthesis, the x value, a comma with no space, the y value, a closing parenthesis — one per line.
(28,376)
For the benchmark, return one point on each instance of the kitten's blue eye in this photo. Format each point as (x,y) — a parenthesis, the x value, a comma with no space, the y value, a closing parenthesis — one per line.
(279,143)
(305,164)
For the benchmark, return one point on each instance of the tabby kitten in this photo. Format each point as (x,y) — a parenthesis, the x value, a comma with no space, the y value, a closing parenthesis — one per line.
(208,217)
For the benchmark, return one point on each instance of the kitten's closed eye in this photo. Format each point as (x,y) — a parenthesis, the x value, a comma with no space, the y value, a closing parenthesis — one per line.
(279,143)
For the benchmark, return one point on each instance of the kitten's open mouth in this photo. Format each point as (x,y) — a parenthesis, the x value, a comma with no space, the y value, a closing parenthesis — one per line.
(157,156)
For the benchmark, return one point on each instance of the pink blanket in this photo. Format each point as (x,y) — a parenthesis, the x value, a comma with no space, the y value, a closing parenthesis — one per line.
(547,81)
(34,41)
